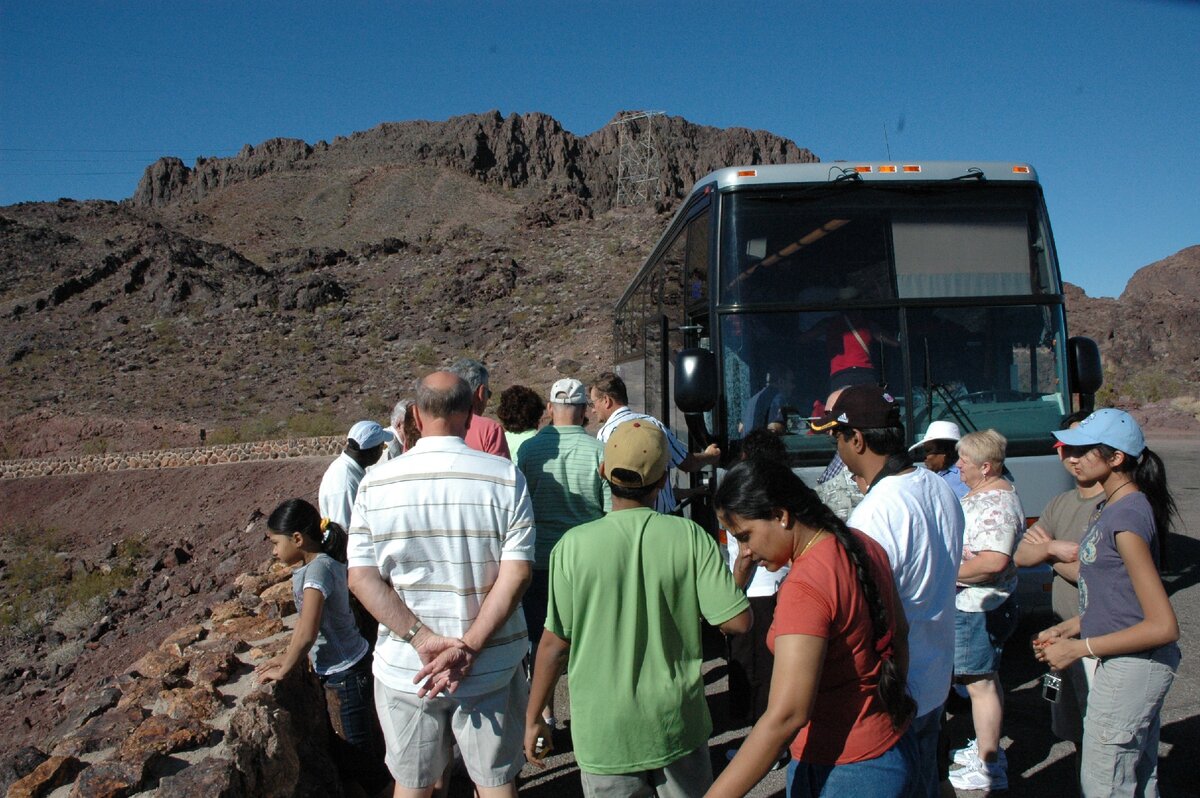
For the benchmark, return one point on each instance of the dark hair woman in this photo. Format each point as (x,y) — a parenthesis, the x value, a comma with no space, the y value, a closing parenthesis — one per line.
(1125,620)
(840,643)
(520,411)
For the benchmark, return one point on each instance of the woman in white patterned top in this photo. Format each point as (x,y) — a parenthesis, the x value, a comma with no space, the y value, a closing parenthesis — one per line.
(985,610)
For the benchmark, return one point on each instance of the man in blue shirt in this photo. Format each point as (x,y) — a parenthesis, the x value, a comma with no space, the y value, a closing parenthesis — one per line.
(939,447)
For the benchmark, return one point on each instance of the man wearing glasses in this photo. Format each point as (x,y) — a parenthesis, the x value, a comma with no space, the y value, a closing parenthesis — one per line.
(485,434)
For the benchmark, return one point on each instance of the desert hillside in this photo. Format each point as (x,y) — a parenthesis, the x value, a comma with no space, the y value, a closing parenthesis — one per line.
(295,287)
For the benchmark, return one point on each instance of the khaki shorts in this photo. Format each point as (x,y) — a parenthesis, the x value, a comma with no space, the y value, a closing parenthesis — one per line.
(686,777)
(419,733)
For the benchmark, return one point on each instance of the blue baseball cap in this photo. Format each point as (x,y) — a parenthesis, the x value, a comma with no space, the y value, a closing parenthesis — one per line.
(1109,426)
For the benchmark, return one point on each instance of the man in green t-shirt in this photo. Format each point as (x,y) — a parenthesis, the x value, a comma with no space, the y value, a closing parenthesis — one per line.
(627,593)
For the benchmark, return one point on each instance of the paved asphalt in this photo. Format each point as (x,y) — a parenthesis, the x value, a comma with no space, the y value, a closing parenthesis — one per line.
(1039,765)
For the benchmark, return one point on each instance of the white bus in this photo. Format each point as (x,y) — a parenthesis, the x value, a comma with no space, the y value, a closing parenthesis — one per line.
(938,280)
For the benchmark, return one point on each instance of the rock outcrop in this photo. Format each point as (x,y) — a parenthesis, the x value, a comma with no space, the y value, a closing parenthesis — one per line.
(189,718)
(514,151)
(1150,336)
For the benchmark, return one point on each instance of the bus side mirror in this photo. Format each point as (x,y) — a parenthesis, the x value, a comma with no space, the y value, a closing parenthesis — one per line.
(695,381)
(1083,366)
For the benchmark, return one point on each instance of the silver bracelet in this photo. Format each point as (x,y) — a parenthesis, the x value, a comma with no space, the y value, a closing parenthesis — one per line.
(416,627)
(1087,641)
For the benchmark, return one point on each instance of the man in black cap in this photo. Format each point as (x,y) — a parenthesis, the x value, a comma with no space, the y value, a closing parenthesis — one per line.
(917,519)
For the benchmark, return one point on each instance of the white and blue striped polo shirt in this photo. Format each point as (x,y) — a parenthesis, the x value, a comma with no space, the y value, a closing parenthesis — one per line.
(436,522)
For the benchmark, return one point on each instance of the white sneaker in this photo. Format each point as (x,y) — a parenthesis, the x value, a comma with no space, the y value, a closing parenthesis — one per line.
(970,754)
(978,775)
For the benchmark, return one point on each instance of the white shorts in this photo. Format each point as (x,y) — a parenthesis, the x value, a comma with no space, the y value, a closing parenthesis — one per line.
(489,730)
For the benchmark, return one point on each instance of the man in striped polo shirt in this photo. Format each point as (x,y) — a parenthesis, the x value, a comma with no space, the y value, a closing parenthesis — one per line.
(441,544)
(610,400)
(561,463)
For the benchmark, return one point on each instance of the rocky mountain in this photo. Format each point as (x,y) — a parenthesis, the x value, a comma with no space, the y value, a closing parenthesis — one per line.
(1150,336)
(296,287)
(308,284)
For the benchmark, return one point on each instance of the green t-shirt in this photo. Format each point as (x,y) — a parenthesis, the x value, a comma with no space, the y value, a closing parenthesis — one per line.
(628,591)
(562,468)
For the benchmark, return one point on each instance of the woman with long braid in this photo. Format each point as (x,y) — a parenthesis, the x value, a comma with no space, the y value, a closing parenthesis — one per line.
(840,643)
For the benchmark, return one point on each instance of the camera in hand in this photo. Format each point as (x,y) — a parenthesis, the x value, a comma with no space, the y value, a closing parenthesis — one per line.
(1051,686)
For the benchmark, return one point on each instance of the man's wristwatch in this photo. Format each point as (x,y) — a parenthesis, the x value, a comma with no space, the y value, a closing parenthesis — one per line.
(411,633)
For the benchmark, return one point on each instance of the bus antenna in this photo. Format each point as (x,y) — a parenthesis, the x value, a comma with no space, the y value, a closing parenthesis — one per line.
(886,143)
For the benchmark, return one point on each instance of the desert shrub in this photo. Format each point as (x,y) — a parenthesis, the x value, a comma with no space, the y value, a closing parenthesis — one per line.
(376,407)
(65,654)
(79,616)
(223,436)
(95,446)
(1187,404)
(263,428)
(1153,386)
(164,332)
(1145,385)
(314,425)
(36,594)
(424,354)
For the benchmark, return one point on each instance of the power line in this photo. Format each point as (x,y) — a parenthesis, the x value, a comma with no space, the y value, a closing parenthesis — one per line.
(85,149)
(64,174)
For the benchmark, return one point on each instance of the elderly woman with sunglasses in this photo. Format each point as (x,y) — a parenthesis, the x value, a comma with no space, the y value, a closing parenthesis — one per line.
(1126,620)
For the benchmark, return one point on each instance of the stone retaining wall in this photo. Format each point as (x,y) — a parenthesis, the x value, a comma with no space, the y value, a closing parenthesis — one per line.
(173,458)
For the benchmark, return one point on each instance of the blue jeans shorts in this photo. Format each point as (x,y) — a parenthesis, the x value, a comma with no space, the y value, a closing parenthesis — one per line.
(979,638)
(892,774)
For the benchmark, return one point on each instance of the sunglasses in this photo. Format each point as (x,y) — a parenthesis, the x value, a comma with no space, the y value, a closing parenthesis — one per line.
(1076,452)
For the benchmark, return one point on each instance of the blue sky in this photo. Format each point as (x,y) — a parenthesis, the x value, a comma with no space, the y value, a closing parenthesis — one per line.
(1103,98)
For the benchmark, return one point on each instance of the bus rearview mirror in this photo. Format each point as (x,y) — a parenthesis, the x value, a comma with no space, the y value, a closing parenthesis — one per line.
(695,381)
(1083,365)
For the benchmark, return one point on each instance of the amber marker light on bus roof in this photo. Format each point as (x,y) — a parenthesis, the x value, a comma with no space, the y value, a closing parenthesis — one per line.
(862,169)
(747,173)
(1021,170)
(887,170)
(912,167)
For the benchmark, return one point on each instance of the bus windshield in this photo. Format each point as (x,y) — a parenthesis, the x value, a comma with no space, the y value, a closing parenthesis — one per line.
(946,294)
(853,242)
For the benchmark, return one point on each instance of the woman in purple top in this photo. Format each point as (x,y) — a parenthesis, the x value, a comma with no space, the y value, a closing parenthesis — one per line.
(1126,620)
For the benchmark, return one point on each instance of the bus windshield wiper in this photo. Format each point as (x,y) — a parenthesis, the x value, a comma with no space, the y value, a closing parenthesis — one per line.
(974,173)
(955,407)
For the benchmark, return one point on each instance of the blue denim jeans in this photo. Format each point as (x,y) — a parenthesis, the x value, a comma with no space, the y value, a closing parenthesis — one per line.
(889,775)
(358,741)
(926,729)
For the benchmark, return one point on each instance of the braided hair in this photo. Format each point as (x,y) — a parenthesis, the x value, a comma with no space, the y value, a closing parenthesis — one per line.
(297,515)
(755,489)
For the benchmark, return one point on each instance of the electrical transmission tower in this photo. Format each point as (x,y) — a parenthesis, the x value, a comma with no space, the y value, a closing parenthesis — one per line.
(637,157)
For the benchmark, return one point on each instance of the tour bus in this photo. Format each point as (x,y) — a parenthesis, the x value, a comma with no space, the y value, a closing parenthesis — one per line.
(938,280)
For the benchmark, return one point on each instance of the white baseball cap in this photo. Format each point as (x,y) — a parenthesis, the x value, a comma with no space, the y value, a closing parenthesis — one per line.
(938,431)
(568,392)
(368,434)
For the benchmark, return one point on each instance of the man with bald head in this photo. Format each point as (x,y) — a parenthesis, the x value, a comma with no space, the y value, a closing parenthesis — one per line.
(441,549)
